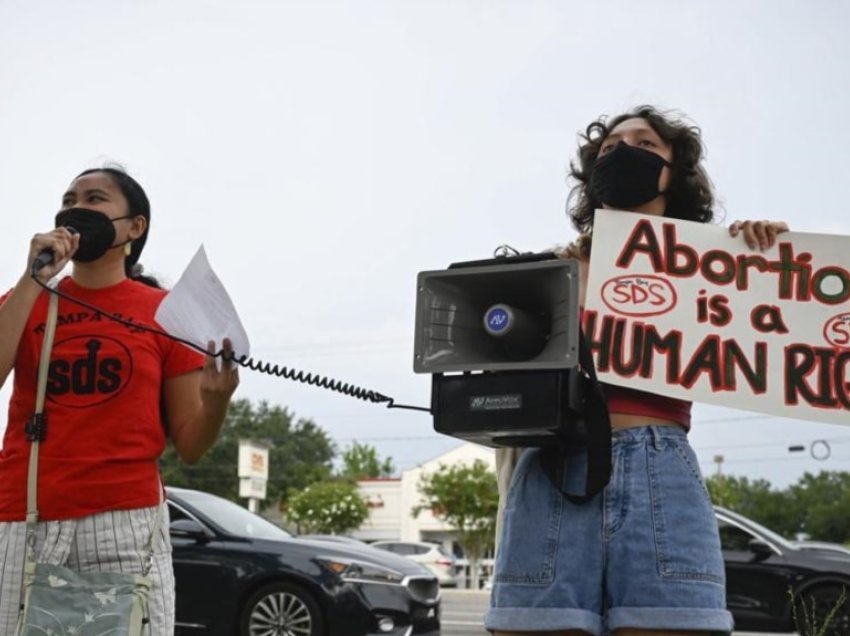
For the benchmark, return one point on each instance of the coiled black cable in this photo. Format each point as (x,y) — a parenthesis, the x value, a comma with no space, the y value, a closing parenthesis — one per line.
(323,382)
(246,362)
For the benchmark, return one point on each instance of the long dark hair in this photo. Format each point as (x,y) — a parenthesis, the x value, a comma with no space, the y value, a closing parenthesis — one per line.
(138,205)
(689,195)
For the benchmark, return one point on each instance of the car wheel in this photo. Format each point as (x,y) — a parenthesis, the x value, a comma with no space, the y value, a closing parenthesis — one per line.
(814,607)
(281,609)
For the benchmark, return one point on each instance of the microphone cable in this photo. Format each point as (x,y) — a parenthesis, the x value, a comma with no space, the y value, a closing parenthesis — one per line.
(245,361)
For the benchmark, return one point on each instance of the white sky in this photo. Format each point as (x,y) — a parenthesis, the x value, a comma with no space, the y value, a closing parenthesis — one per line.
(326,152)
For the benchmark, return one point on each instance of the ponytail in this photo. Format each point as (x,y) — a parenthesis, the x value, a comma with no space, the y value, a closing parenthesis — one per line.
(136,272)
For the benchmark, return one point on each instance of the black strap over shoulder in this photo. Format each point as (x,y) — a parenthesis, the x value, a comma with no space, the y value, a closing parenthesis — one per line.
(597,426)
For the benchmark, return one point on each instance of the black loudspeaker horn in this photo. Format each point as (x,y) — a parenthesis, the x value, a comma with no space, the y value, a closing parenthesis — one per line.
(510,316)
(502,341)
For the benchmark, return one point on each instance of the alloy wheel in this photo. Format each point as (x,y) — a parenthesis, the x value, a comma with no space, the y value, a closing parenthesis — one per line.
(280,614)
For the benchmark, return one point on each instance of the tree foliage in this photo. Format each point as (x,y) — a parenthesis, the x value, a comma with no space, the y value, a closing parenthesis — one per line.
(817,505)
(300,453)
(754,499)
(361,461)
(465,497)
(328,507)
(825,510)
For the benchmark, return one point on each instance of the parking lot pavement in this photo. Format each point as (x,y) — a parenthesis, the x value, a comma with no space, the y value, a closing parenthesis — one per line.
(463,614)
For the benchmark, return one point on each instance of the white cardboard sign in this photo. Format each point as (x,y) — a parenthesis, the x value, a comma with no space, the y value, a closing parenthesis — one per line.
(685,310)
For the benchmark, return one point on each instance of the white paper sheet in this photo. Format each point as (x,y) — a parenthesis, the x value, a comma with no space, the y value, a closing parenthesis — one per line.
(198,309)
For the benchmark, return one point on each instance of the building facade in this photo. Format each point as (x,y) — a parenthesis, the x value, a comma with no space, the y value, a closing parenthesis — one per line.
(391,501)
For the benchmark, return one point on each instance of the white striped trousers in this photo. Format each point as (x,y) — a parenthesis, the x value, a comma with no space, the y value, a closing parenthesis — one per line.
(106,542)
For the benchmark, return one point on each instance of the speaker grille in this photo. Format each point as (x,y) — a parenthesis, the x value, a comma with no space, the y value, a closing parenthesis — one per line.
(451,306)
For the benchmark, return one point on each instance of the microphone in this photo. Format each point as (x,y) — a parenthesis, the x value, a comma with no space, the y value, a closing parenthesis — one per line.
(45,257)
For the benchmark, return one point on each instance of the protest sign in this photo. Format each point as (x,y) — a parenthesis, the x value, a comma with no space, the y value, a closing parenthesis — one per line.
(685,310)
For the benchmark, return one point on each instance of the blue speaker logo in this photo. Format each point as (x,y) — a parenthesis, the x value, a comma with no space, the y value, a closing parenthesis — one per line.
(497,320)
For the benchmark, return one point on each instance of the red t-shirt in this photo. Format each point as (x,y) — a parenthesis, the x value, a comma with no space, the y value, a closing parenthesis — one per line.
(105,430)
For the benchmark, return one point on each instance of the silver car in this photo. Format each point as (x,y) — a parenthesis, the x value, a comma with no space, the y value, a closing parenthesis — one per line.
(431,555)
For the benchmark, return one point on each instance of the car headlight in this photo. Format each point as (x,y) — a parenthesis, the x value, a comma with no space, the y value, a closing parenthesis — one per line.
(351,570)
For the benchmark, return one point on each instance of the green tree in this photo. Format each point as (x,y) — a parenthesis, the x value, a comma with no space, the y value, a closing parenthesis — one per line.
(361,460)
(824,504)
(757,500)
(466,498)
(300,453)
(327,507)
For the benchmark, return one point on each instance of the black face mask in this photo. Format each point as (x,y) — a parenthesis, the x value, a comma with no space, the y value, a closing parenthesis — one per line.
(97,232)
(627,176)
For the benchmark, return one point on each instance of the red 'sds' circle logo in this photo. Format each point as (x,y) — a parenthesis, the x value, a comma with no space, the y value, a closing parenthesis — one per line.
(633,295)
(837,331)
(88,370)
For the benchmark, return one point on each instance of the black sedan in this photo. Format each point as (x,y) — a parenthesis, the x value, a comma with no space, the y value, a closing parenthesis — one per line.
(768,577)
(240,575)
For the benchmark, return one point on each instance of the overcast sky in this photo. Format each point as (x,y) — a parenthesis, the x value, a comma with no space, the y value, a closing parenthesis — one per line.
(326,152)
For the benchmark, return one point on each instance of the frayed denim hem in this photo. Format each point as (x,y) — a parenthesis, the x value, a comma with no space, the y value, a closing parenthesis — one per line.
(670,618)
(529,619)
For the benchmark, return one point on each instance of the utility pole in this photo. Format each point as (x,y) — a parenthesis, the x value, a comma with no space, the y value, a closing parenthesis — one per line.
(718,459)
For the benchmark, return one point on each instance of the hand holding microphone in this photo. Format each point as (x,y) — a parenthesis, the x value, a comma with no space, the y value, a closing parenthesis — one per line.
(50,252)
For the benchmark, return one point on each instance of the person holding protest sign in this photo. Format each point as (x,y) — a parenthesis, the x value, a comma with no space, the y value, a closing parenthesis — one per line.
(114,394)
(642,557)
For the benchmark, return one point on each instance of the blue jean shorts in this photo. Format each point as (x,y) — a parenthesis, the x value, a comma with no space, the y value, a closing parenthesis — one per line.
(644,553)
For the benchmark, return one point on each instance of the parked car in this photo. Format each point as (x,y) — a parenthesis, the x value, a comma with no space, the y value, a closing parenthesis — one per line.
(825,546)
(239,574)
(431,555)
(338,538)
(463,573)
(766,575)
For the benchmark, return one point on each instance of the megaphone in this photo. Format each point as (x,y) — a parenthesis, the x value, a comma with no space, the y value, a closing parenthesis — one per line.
(508,314)
(501,339)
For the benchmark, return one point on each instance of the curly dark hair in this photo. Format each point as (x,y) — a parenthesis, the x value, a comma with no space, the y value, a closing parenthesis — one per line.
(689,195)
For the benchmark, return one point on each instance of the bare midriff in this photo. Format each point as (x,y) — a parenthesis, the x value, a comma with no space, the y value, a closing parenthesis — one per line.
(627,420)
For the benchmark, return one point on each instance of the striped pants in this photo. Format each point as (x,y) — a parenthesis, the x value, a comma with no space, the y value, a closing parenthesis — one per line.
(106,542)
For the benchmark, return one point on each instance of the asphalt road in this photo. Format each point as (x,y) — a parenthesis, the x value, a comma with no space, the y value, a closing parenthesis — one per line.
(463,614)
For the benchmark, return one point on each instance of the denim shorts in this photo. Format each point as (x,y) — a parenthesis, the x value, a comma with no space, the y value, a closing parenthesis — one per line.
(644,553)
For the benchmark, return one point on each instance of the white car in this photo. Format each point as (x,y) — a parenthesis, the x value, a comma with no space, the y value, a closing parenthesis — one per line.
(431,555)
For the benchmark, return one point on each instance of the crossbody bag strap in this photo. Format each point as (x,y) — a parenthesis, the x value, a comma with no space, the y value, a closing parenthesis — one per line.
(598,448)
(599,430)
(37,426)
(153,540)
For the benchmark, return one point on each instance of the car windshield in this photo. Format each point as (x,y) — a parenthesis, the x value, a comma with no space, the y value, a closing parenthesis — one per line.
(768,534)
(232,518)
